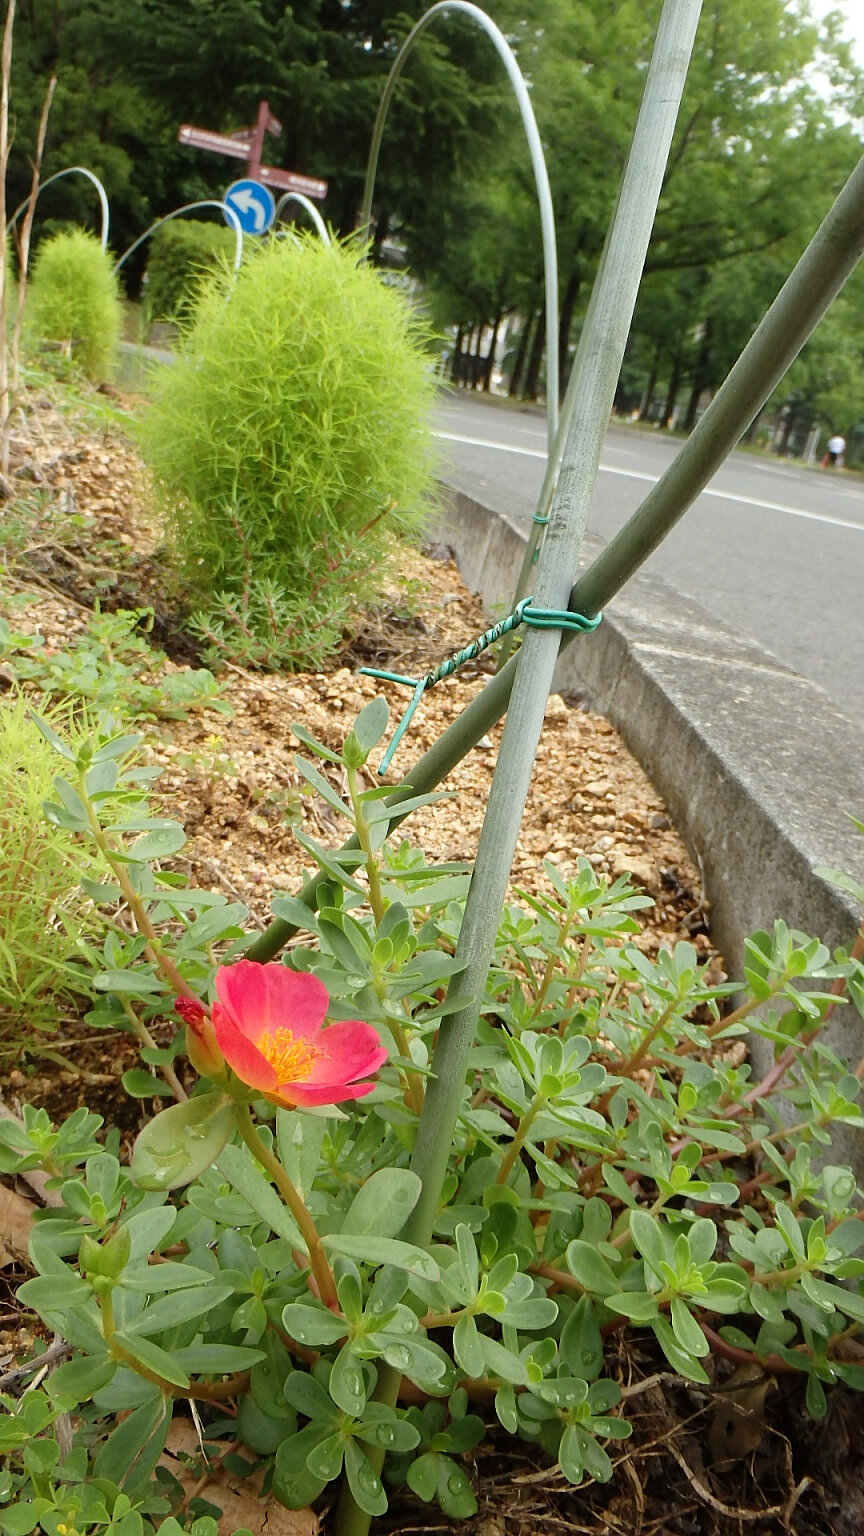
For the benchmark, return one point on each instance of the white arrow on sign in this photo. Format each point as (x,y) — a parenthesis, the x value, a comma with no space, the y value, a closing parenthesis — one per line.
(247,202)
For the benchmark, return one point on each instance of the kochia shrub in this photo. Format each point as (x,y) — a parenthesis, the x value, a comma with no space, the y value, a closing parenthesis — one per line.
(74,299)
(41,899)
(290,445)
(181,253)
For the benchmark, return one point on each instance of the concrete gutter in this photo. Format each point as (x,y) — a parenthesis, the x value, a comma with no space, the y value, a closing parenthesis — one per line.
(760,771)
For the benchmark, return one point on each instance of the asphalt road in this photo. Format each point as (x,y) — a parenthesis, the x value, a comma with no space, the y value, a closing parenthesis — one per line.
(774,549)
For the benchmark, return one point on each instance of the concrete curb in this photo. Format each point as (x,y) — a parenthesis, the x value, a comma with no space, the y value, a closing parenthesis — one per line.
(736,743)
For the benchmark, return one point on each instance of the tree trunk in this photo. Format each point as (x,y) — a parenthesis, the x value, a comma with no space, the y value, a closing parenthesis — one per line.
(783,445)
(672,391)
(648,391)
(382,229)
(465,360)
(531,387)
(477,362)
(700,378)
(521,354)
(456,360)
(570,296)
(490,355)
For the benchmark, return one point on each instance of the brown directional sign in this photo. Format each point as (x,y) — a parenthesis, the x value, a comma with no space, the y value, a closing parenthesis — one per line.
(247,144)
(219,143)
(289,181)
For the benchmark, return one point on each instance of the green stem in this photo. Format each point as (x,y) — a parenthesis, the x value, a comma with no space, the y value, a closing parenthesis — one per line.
(788,1275)
(154,951)
(444,1319)
(349,1519)
(206,1391)
(413,1081)
(636,1057)
(518,1141)
(144,1035)
(551,964)
(376,898)
(262,1154)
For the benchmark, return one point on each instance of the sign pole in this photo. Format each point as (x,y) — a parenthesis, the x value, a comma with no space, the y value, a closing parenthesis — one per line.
(248,144)
(256,144)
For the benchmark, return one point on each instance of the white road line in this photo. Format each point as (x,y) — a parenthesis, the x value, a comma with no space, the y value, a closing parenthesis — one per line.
(484,442)
(638,474)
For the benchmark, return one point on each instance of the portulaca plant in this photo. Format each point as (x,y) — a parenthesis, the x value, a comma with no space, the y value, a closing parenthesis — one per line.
(613,1166)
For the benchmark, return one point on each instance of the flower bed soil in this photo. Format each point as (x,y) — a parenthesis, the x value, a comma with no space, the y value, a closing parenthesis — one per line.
(738,1456)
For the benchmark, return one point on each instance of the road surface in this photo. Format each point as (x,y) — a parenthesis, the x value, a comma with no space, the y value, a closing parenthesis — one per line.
(774,549)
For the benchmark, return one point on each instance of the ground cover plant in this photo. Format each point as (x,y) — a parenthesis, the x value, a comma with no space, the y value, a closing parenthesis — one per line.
(289,446)
(615,1166)
(111,666)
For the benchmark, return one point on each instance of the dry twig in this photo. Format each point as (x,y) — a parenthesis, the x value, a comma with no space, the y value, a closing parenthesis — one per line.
(727,1510)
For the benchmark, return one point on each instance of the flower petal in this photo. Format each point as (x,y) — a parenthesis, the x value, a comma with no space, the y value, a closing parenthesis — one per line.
(301,1095)
(241,1055)
(264,998)
(349,1049)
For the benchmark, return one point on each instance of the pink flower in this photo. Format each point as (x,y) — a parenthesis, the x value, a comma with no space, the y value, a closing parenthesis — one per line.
(268,1023)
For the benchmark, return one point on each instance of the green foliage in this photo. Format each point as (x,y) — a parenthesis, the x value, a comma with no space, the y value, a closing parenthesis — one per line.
(109,667)
(290,446)
(43,957)
(180,254)
(609,1167)
(74,300)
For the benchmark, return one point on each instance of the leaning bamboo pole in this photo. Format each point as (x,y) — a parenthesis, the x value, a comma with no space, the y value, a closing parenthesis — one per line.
(828,262)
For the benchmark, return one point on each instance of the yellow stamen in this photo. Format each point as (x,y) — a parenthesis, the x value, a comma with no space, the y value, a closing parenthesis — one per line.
(292,1060)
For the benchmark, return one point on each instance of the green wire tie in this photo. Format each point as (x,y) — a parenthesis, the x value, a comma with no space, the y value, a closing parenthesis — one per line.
(523,613)
(542,522)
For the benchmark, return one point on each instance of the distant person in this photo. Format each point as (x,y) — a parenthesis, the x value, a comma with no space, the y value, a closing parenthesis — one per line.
(835,451)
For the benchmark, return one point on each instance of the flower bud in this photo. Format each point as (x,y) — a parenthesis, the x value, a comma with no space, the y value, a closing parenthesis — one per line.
(108,1259)
(202,1047)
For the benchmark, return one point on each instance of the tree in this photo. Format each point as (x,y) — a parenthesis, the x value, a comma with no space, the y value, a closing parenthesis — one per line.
(129,75)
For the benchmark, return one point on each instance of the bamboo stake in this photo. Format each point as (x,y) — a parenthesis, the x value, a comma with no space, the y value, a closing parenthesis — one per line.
(535,663)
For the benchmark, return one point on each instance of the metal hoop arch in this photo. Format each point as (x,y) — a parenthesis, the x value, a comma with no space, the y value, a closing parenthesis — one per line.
(305,202)
(72,170)
(538,162)
(229,213)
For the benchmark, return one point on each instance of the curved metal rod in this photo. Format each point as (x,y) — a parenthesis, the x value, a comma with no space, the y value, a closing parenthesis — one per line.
(208,202)
(297,197)
(541,177)
(72,170)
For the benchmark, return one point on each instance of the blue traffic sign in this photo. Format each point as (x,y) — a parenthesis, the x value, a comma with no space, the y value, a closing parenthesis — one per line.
(253,205)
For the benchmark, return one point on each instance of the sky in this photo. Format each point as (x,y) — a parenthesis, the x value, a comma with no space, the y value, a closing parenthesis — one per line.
(853,10)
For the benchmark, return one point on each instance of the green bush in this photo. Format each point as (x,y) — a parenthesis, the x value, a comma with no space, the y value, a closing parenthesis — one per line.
(181,253)
(74,299)
(43,906)
(290,444)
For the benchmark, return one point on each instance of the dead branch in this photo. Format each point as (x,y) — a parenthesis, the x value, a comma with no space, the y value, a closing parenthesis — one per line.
(23,240)
(5,73)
